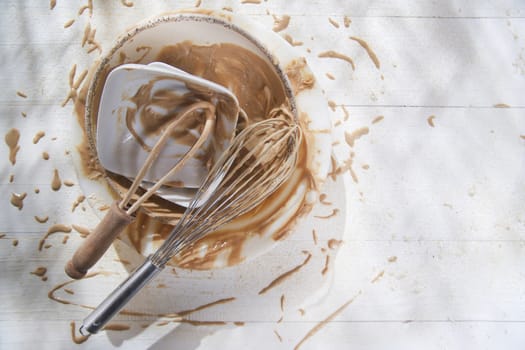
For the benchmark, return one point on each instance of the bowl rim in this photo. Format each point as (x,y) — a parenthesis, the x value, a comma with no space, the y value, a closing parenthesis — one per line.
(176,16)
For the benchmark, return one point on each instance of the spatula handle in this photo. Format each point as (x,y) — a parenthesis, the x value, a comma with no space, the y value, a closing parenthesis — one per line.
(98,241)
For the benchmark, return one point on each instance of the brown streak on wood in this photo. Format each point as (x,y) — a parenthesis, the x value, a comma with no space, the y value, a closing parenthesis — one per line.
(326,265)
(368,50)
(324,322)
(334,212)
(347,21)
(205,306)
(280,23)
(333,22)
(278,336)
(345,111)
(377,119)
(202,323)
(69,23)
(52,230)
(285,275)
(351,137)
(314,236)
(378,277)
(430,120)
(337,55)
(41,219)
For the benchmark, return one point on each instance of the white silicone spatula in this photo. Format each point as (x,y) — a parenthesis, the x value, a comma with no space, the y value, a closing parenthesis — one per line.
(120,152)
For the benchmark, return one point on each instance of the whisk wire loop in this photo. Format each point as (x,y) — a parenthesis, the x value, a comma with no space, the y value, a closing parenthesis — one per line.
(260,158)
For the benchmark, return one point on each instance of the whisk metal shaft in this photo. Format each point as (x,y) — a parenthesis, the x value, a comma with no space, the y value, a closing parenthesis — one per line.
(257,162)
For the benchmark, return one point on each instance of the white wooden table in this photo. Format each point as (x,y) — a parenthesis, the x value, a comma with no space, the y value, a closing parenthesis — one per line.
(434,220)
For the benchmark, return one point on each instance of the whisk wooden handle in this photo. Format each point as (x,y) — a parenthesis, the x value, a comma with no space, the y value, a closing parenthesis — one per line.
(98,241)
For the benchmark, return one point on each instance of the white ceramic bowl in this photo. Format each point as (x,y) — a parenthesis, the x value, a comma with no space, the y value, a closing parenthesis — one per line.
(142,44)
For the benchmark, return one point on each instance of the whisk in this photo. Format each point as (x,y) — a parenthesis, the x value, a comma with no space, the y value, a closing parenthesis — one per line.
(257,162)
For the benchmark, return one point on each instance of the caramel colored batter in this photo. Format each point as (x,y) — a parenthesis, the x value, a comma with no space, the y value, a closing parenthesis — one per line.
(333,22)
(347,21)
(17,200)
(351,137)
(153,122)
(157,108)
(127,3)
(378,276)
(326,265)
(39,271)
(430,120)
(368,50)
(77,339)
(56,183)
(11,139)
(280,279)
(205,306)
(41,219)
(392,259)
(77,202)
(69,23)
(280,23)
(84,231)
(248,76)
(300,78)
(334,243)
(334,212)
(38,136)
(278,336)
(291,40)
(346,113)
(334,54)
(52,230)
(324,322)
(378,119)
